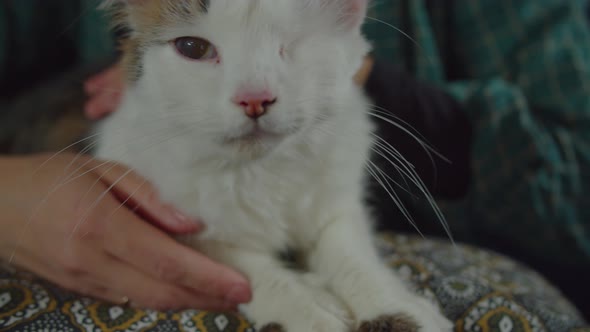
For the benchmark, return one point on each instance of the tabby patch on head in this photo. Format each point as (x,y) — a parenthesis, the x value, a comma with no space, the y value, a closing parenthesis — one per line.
(144,20)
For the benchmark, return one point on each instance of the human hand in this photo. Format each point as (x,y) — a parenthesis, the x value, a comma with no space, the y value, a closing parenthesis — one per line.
(85,236)
(104,92)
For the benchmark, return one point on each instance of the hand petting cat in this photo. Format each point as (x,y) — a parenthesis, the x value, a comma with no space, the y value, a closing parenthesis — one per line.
(90,235)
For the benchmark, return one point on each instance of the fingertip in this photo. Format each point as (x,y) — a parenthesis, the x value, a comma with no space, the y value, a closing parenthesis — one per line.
(237,279)
(239,294)
(173,220)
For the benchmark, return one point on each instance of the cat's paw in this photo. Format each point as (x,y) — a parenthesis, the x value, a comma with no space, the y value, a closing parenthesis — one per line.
(412,315)
(322,322)
(390,323)
(405,323)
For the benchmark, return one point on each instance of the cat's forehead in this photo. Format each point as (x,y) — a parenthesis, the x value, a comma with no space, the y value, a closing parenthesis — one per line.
(160,14)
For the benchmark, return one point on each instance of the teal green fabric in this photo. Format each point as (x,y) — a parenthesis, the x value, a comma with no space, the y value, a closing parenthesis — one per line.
(524,76)
(37,25)
(95,38)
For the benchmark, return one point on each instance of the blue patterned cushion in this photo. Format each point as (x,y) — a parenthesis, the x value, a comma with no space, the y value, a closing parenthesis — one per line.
(479,290)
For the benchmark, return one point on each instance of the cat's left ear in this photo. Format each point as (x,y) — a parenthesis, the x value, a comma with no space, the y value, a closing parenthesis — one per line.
(353,12)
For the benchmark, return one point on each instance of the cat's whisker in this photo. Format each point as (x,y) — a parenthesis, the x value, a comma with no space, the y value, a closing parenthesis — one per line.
(125,201)
(58,184)
(95,136)
(406,188)
(395,28)
(399,171)
(76,158)
(99,199)
(55,186)
(406,172)
(382,181)
(408,168)
(86,163)
(424,190)
(86,172)
(144,136)
(406,35)
(429,149)
(388,177)
(60,152)
(34,213)
(63,177)
(99,179)
(426,147)
(382,115)
(397,160)
(389,149)
(389,114)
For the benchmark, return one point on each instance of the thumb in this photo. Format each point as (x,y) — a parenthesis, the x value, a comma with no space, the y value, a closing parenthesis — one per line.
(138,194)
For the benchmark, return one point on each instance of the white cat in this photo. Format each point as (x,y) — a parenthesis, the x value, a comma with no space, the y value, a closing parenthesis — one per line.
(244,113)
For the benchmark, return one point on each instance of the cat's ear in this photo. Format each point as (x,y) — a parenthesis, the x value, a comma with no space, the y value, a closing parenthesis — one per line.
(118,12)
(355,12)
(124,13)
(350,14)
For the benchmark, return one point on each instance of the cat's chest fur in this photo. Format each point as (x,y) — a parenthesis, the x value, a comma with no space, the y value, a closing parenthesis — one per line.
(268,205)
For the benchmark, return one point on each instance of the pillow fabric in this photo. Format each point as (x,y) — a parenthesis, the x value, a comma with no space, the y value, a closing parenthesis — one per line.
(477,289)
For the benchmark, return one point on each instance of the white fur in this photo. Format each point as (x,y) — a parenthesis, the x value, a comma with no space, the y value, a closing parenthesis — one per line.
(303,190)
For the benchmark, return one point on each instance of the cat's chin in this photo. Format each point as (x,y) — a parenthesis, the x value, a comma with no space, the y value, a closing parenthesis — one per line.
(254,145)
(254,137)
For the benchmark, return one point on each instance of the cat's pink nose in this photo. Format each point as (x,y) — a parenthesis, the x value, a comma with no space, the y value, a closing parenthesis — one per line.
(255,105)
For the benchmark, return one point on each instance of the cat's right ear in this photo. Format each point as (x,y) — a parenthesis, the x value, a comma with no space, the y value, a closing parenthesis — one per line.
(120,12)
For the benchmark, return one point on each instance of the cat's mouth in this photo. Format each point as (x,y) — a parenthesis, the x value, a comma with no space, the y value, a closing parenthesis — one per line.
(255,135)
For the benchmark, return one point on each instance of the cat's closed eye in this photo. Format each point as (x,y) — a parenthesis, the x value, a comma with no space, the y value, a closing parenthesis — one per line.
(195,48)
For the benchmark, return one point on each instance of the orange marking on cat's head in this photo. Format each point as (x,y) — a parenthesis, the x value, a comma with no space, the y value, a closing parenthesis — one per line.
(144,19)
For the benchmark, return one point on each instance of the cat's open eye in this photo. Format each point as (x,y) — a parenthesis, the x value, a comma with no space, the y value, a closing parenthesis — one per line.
(195,48)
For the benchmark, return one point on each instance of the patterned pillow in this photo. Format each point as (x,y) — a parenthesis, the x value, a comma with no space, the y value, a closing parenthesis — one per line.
(478,289)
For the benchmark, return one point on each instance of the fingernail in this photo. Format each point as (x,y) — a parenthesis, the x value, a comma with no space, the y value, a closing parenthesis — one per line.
(182,219)
(239,294)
